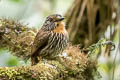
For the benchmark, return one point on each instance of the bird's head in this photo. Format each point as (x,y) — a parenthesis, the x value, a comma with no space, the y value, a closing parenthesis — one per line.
(52,21)
(55,18)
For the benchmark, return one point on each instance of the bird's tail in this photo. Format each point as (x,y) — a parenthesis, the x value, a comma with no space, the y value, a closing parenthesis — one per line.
(35,58)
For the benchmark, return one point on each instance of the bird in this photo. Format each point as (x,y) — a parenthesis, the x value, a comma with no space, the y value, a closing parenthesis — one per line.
(51,39)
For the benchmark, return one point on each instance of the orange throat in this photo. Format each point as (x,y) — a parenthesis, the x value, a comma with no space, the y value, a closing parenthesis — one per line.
(60,28)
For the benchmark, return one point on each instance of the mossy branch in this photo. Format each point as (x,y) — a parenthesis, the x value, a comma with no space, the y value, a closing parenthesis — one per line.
(52,70)
(16,37)
(72,64)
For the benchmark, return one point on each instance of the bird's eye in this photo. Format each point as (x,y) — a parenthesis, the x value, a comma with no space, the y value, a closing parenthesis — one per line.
(58,17)
(57,24)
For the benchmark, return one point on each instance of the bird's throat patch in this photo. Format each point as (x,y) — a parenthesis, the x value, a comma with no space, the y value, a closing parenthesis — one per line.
(60,28)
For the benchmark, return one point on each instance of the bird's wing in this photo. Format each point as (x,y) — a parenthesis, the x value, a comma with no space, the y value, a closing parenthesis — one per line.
(40,41)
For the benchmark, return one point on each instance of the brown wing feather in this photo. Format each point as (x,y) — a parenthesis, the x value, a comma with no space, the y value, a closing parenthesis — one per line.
(40,40)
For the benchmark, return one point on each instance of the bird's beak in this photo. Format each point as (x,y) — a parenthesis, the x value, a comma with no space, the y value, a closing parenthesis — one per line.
(60,19)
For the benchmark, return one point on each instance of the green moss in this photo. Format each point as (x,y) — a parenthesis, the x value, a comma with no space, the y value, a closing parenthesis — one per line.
(14,37)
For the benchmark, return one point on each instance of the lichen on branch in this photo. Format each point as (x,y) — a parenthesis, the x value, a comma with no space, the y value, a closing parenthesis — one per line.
(16,37)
